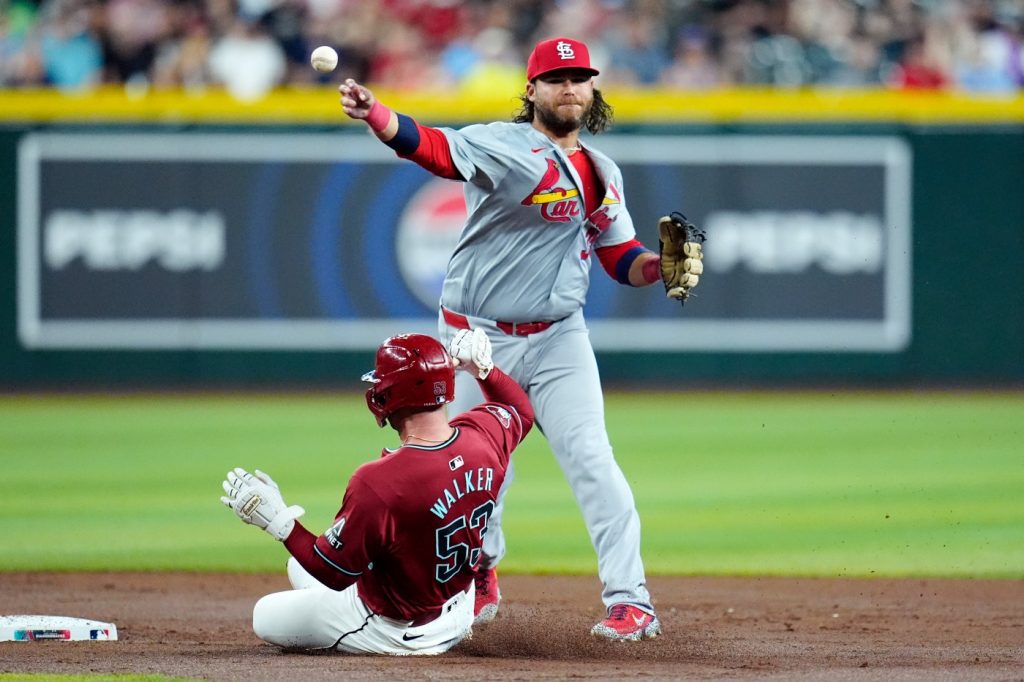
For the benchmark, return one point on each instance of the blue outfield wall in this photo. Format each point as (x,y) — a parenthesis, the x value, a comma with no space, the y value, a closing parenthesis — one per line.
(869,254)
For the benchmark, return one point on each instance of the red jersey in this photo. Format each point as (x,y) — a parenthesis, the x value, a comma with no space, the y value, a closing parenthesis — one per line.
(410,526)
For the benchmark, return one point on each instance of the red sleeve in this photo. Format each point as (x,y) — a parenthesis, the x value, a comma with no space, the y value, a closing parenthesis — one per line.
(501,388)
(346,549)
(610,255)
(434,154)
(616,260)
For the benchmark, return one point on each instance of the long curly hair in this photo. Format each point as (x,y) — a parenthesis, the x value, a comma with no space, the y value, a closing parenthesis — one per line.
(598,119)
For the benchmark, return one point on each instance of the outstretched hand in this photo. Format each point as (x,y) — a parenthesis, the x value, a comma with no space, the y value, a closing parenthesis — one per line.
(356,99)
(257,500)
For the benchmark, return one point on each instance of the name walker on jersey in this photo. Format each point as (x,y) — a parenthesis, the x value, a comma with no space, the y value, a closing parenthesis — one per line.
(480,479)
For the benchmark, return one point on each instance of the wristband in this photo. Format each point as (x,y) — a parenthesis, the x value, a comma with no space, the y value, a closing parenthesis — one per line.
(281,526)
(379,117)
(651,270)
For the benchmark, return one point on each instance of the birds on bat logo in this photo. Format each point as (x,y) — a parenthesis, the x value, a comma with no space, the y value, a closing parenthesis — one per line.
(557,205)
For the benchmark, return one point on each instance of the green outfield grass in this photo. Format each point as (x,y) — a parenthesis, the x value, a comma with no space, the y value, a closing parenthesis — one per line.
(816,483)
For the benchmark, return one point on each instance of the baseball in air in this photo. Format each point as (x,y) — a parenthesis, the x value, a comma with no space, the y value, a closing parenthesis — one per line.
(324,59)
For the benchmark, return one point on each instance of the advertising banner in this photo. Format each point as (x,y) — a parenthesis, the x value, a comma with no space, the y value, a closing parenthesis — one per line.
(329,241)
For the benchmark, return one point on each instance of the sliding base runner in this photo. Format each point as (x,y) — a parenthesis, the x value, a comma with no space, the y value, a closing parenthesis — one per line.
(20,628)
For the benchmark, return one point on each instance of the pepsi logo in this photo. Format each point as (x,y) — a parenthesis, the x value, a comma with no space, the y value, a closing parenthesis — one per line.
(427,233)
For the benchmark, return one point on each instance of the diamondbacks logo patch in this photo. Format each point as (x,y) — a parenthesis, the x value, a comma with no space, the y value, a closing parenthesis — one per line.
(503,415)
(333,534)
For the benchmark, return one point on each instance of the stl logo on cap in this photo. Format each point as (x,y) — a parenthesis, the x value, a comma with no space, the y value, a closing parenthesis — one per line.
(556,54)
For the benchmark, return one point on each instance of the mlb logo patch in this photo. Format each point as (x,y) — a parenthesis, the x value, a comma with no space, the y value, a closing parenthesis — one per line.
(455,463)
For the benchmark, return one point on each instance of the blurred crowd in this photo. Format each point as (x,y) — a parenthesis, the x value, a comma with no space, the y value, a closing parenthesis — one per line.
(252,46)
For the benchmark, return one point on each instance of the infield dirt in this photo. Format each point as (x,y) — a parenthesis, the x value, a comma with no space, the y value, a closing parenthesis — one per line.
(198,625)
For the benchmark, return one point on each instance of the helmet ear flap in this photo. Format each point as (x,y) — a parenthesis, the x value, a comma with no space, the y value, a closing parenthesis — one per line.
(377,402)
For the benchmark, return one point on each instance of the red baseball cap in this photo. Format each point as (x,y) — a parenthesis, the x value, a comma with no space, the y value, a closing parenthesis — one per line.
(558,53)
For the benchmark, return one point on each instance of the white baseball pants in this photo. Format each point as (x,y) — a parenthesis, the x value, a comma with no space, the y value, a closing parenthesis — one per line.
(312,616)
(558,370)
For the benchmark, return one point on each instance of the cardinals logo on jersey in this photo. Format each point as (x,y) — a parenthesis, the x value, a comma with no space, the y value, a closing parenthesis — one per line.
(600,220)
(557,205)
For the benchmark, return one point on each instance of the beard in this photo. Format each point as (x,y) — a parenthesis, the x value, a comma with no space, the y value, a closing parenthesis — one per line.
(561,124)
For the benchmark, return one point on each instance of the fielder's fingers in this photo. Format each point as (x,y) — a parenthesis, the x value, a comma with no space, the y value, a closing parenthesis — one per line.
(676,293)
(693,266)
(693,250)
(351,85)
(355,91)
(688,281)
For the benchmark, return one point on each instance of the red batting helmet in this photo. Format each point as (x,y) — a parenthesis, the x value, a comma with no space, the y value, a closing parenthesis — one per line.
(411,370)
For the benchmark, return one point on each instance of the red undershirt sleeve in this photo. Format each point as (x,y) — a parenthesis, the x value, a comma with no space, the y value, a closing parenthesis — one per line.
(616,260)
(433,152)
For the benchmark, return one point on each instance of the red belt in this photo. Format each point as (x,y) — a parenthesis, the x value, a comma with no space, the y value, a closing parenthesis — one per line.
(511,328)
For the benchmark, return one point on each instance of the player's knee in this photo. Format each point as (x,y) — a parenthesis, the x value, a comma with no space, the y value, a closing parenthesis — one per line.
(586,448)
(261,620)
(270,624)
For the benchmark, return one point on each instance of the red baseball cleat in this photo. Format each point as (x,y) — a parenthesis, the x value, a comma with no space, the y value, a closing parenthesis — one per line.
(487,595)
(627,623)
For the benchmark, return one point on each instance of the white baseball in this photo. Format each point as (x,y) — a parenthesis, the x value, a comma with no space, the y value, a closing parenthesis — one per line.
(324,59)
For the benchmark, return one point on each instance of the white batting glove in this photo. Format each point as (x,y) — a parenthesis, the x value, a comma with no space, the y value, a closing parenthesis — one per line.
(257,500)
(471,350)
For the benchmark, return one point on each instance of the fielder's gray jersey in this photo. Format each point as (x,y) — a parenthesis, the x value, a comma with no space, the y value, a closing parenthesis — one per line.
(526,210)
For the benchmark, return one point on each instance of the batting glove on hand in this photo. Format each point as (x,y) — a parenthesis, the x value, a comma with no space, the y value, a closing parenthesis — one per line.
(471,350)
(257,500)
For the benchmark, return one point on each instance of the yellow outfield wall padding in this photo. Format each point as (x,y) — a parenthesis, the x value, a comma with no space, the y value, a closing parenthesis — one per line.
(319,105)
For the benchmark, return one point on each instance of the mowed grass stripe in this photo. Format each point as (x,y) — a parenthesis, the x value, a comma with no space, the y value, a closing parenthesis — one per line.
(801,483)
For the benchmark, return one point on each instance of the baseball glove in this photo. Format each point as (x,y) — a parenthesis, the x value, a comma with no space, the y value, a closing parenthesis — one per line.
(682,253)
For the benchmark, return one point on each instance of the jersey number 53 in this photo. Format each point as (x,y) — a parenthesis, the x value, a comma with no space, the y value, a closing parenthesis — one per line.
(454,555)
